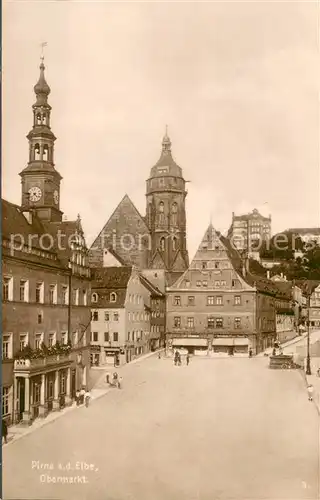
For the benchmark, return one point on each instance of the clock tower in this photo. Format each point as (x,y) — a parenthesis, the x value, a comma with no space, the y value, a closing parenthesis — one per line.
(40,180)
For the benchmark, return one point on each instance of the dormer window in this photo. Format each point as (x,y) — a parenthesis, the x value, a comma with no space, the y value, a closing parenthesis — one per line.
(94,297)
(204,265)
(113,297)
(163,170)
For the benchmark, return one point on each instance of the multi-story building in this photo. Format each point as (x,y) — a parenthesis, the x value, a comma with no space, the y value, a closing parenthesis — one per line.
(157,241)
(246,231)
(311,309)
(46,286)
(120,315)
(217,305)
(157,300)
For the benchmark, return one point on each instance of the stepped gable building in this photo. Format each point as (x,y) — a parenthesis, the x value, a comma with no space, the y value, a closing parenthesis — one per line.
(217,305)
(45,286)
(157,241)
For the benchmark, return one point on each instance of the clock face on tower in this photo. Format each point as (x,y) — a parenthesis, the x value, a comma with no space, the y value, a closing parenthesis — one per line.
(35,193)
(56,196)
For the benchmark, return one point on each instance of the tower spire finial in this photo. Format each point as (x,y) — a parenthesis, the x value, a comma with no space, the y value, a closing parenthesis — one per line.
(166,143)
(42,45)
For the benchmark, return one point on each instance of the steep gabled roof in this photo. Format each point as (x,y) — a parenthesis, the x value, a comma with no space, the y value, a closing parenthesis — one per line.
(152,288)
(116,256)
(119,209)
(15,223)
(307,286)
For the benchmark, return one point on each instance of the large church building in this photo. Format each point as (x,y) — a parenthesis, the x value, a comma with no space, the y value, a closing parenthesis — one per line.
(158,239)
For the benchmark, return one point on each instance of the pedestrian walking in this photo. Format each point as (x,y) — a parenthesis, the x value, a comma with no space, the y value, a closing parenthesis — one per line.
(77,397)
(250,352)
(188,359)
(87,397)
(310,392)
(120,382)
(159,355)
(108,378)
(4,431)
(82,393)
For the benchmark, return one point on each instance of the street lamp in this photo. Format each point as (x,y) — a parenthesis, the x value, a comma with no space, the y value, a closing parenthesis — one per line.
(69,300)
(308,367)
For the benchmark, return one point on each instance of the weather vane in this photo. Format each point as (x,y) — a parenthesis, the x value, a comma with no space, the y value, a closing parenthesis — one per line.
(42,45)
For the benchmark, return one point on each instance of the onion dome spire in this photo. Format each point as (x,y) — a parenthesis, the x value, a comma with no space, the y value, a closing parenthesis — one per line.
(41,88)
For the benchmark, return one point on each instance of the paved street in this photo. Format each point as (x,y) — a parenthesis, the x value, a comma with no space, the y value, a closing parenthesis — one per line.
(217,429)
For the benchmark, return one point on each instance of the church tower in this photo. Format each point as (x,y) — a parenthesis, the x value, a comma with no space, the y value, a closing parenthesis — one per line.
(166,213)
(40,180)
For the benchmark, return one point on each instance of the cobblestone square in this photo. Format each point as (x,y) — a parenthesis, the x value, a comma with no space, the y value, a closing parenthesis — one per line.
(216,429)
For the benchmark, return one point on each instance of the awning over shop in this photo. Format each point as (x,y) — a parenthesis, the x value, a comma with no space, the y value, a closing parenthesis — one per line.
(223,341)
(241,341)
(230,341)
(190,342)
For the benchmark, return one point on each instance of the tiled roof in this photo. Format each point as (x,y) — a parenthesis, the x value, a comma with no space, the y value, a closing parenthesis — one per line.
(274,288)
(152,288)
(307,286)
(111,277)
(15,223)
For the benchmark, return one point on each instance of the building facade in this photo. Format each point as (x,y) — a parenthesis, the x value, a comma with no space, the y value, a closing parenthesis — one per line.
(247,230)
(212,308)
(46,286)
(158,240)
(120,315)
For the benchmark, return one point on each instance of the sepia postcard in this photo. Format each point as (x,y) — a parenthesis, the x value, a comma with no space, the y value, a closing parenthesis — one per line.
(160,224)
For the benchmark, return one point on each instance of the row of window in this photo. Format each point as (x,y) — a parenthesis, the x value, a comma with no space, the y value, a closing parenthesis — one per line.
(112,297)
(211,322)
(107,316)
(108,337)
(132,316)
(212,300)
(38,339)
(42,294)
(215,284)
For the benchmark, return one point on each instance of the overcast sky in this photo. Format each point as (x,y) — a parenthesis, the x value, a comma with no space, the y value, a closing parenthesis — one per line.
(237,83)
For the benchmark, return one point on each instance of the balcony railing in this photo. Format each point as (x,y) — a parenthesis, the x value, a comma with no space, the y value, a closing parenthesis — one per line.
(28,364)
